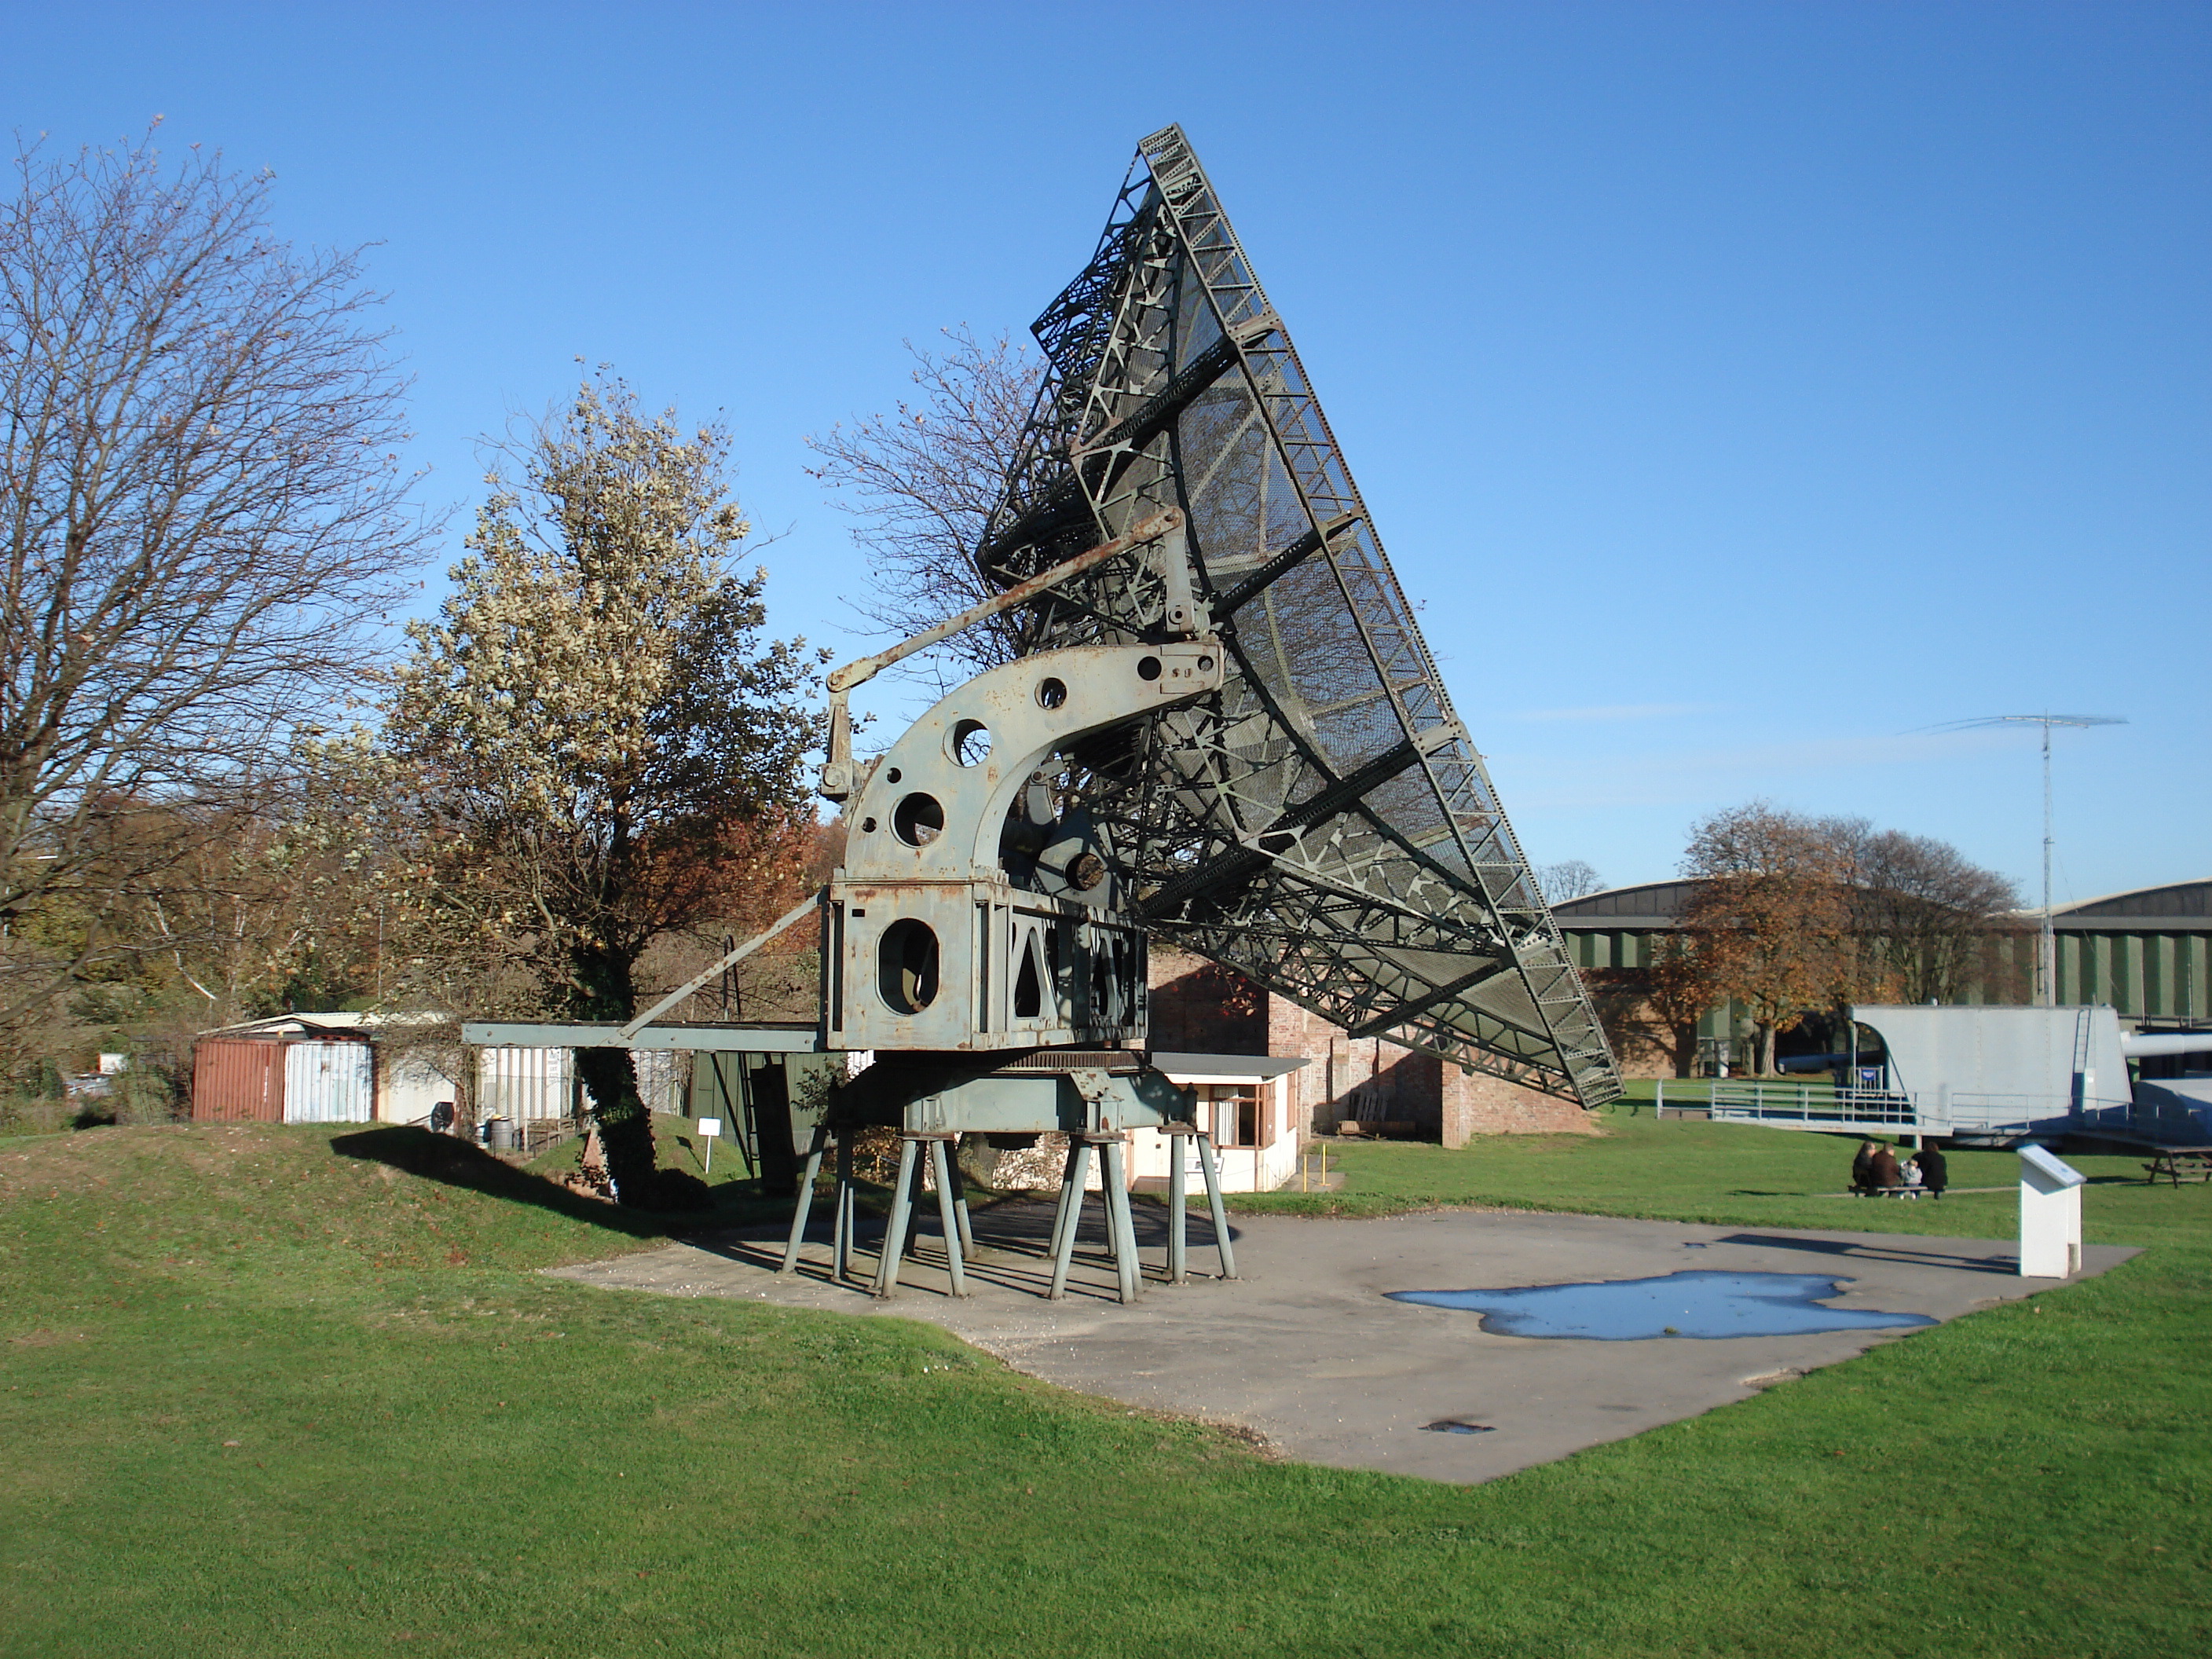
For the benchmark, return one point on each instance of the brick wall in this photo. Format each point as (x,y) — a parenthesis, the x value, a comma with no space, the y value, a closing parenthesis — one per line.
(1476,1104)
(1199,1008)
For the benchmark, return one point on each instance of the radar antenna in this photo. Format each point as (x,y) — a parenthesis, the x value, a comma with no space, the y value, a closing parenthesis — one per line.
(1322,823)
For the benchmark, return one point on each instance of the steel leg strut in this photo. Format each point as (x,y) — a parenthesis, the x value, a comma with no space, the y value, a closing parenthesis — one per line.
(805,1198)
(894,1247)
(1206,1162)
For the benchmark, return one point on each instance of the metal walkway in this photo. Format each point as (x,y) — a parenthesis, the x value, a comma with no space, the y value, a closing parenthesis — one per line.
(1954,1116)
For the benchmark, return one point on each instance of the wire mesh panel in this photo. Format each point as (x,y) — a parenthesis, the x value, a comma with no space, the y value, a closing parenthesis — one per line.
(1323,824)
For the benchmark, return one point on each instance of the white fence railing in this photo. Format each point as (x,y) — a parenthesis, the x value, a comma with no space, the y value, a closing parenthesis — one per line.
(1944,1112)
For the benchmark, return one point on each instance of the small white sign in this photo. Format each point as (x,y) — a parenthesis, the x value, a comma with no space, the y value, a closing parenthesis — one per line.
(2051,1166)
(710,1126)
(2050,1215)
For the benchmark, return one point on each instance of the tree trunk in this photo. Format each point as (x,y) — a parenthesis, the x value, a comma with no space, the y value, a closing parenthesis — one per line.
(604,992)
(1767,1033)
(1685,1047)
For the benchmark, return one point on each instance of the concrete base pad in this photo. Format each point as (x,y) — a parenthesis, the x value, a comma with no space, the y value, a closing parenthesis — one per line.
(1307,1350)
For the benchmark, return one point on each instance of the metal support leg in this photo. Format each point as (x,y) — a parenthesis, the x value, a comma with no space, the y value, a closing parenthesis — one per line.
(1213,1173)
(841,1252)
(913,1246)
(887,1260)
(960,1201)
(1178,1214)
(1063,1209)
(1078,1171)
(947,1217)
(1121,1223)
(805,1198)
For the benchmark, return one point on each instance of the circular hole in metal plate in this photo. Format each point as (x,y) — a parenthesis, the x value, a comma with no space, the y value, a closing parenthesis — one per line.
(906,966)
(969,743)
(918,819)
(1148,668)
(867,826)
(1051,693)
(891,776)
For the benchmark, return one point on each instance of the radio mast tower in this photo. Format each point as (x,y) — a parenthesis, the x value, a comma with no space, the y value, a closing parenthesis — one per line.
(2046,947)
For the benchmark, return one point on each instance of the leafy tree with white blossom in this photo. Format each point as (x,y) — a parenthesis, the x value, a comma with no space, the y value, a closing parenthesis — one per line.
(591,744)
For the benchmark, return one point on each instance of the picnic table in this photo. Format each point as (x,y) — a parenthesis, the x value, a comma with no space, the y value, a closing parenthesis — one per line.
(2177,1163)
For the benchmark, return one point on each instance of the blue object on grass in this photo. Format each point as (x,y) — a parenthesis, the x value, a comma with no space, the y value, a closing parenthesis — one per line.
(1696,1304)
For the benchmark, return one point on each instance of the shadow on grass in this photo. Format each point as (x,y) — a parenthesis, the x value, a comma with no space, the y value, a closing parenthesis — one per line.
(451,1162)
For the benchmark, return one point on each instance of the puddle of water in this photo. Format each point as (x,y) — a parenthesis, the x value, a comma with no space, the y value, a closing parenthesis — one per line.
(1454,1426)
(1694,1305)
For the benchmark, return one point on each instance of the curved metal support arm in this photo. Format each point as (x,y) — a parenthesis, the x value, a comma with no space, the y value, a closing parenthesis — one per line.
(837,770)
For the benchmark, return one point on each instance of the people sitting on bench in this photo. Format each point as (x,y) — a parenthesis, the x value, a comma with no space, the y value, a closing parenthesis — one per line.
(1875,1173)
(1881,1173)
(1934,1176)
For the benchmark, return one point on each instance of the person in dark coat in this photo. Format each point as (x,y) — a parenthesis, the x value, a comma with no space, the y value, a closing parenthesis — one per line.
(1934,1177)
(1862,1168)
(1884,1169)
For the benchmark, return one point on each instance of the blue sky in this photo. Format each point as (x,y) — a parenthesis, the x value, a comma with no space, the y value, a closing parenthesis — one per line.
(1738,387)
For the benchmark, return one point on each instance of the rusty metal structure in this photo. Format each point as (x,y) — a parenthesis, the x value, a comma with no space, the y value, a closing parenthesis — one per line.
(1223,729)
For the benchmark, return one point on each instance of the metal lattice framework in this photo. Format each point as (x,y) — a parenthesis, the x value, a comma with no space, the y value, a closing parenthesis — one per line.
(1323,824)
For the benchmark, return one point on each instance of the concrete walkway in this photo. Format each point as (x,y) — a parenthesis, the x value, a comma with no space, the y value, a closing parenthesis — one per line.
(1307,1350)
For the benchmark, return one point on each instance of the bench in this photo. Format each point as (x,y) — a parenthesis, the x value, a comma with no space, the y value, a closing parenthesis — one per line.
(2175,1164)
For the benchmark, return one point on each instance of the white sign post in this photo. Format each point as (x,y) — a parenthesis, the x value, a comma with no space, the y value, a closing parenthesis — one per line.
(2049,1216)
(709,1127)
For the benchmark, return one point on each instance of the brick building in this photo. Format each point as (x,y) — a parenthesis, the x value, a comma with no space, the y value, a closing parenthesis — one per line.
(1200,1006)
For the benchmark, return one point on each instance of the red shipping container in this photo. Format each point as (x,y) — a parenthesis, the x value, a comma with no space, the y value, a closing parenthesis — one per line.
(238,1080)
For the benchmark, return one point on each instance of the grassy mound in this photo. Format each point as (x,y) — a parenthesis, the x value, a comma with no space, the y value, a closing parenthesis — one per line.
(299,1392)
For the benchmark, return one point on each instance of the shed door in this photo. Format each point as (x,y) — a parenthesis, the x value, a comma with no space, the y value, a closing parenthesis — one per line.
(328,1083)
(235,1080)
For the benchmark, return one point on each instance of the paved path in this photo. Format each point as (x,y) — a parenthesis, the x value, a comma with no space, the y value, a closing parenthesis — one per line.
(1307,1349)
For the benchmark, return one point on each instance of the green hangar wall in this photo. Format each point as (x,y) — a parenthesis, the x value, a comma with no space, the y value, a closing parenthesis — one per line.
(2147,952)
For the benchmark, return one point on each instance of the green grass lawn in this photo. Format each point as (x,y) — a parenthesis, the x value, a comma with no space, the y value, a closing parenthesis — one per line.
(1679,1169)
(299,1392)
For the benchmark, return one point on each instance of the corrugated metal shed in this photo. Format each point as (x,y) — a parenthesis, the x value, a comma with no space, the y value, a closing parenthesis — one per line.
(408,1076)
(281,1080)
(534,1084)
(531,1085)
(238,1080)
(329,1083)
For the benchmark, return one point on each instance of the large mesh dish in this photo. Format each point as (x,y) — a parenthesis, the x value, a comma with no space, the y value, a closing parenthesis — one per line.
(1324,825)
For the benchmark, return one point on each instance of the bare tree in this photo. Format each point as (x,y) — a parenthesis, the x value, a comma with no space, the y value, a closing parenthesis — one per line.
(202,517)
(1925,916)
(1569,878)
(922,481)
